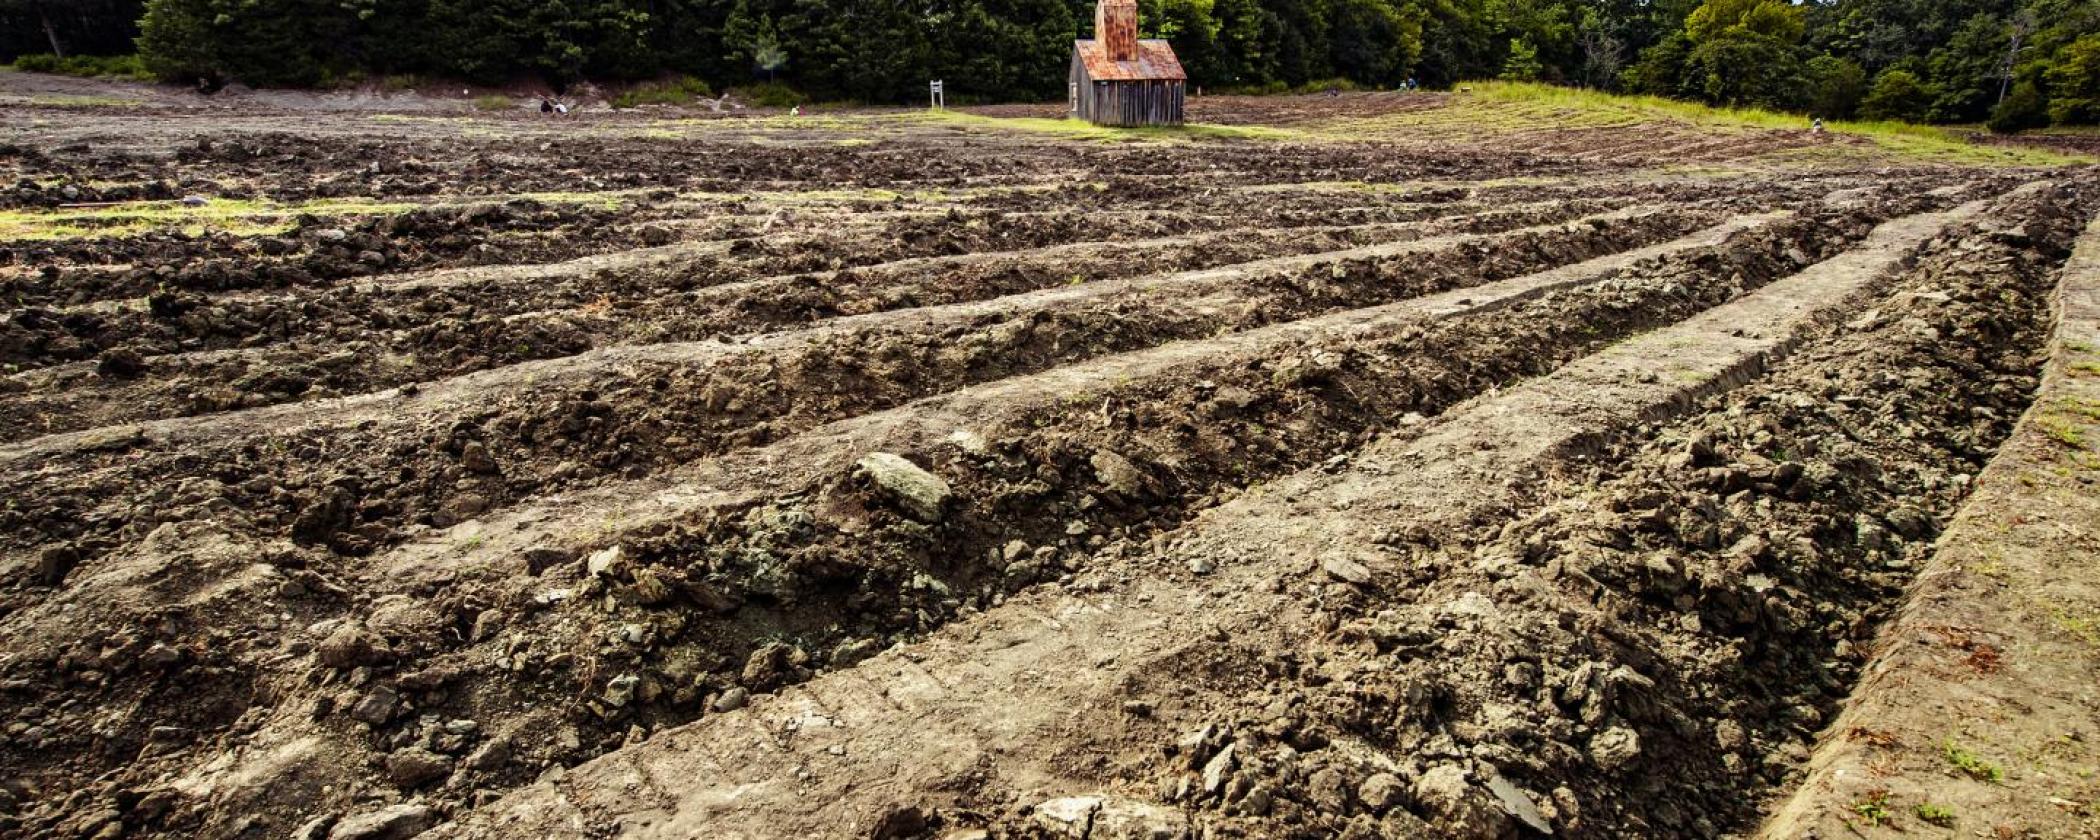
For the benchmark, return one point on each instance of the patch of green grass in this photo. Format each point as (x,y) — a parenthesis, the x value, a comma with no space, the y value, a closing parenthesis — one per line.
(1939,815)
(1970,764)
(2085,627)
(85,66)
(1083,130)
(85,101)
(2081,407)
(416,118)
(2062,430)
(839,196)
(1874,808)
(942,197)
(772,95)
(1494,107)
(600,200)
(680,91)
(240,217)
(493,102)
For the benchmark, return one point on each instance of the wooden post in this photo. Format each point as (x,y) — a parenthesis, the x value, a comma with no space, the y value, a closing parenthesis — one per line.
(940,95)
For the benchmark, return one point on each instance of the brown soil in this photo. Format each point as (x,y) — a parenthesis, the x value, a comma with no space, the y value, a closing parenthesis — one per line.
(1978,711)
(766,485)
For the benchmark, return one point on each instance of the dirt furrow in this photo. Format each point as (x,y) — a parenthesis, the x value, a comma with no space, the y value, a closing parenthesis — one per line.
(1053,708)
(173,317)
(440,336)
(1196,283)
(884,474)
(1973,700)
(356,472)
(314,252)
(1371,366)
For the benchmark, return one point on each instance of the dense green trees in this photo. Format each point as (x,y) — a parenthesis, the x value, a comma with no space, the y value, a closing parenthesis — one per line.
(1942,60)
(2074,82)
(67,27)
(1835,86)
(1897,95)
(2022,109)
(1929,60)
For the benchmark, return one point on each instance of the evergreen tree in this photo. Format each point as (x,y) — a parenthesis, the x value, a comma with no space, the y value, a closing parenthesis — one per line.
(1522,64)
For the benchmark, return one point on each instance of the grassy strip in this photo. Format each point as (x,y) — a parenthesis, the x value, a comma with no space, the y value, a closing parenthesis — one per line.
(1081,130)
(85,66)
(1590,108)
(240,217)
(1495,108)
(50,101)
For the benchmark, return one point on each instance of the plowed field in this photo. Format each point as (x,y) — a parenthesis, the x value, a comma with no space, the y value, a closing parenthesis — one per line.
(875,475)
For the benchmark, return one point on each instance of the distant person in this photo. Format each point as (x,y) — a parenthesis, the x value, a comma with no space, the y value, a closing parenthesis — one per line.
(561,108)
(1815,128)
(795,111)
(546,106)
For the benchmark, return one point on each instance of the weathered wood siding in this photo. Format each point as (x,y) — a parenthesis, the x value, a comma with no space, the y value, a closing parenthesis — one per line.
(1137,103)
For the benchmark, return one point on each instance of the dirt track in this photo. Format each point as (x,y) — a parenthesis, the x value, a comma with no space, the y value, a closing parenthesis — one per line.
(1220,488)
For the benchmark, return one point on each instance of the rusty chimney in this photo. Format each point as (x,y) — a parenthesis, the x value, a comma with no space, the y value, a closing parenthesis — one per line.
(1115,26)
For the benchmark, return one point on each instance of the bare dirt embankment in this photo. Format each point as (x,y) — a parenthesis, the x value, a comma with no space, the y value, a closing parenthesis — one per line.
(882,475)
(1980,709)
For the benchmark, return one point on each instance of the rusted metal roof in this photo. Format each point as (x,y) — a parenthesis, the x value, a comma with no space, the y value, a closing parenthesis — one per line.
(1155,63)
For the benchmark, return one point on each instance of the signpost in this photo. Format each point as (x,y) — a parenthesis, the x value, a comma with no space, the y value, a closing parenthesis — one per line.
(940,95)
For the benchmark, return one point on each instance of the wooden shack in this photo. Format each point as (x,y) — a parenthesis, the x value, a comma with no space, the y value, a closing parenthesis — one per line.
(1120,80)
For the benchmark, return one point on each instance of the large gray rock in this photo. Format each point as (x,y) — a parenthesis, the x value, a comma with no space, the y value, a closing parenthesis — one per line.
(1456,806)
(1071,816)
(398,822)
(377,706)
(1517,803)
(416,766)
(1382,792)
(608,562)
(1119,474)
(1219,768)
(1119,819)
(349,646)
(1329,791)
(920,493)
(1615,747)
(1103,818)
(1346,570)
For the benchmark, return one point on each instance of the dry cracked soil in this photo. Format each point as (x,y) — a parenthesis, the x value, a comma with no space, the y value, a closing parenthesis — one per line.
(369,476)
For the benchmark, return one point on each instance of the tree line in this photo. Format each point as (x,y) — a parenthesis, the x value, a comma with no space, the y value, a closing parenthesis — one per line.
(2018,63)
